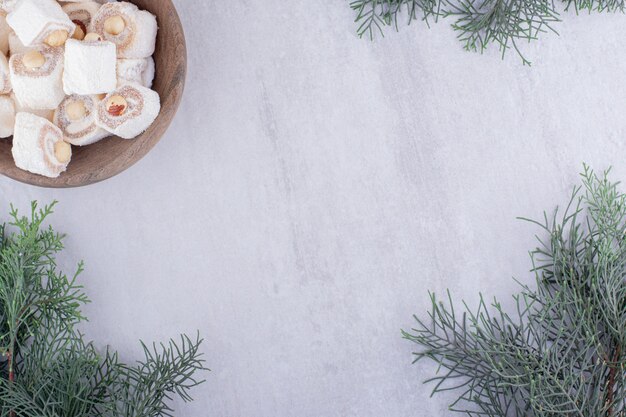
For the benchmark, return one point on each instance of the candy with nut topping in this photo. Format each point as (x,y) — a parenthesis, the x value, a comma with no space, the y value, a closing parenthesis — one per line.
(36,76)
(38,146)
(128,111)
(40,21)
(132,30)
(76,117)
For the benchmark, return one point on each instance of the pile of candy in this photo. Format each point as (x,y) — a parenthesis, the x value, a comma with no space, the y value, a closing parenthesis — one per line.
(73,73)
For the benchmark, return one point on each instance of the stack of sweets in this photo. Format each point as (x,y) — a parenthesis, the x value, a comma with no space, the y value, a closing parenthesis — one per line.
(72,74)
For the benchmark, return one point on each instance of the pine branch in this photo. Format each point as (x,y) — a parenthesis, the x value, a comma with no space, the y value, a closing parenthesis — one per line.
(560,353)
(479,23)
(49,370)
(142,390)
(374,15)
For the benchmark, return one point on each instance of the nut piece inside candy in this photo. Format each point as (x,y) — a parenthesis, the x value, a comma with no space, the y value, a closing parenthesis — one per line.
(81,30)
(57,38)
(76,110)
(116,106)
(63,151)
(34,59)
(92,37)
(114,25)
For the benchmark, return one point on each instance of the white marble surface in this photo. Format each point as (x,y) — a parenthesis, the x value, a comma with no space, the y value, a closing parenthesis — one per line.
(315,185)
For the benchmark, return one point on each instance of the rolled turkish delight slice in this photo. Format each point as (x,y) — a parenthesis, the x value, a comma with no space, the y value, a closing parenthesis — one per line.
(5,75)
(38,146)
(82,14)
(76,117)
(40,21)
(132,30)
(89,67)
(36,77)
(5,31)
(128,111)
(138,71)
(7,116)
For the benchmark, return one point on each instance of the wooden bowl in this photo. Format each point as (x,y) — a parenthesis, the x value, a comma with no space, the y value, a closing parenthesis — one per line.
(102,160)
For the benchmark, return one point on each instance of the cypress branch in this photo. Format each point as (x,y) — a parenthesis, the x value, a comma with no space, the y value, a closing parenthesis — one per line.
(47,367)
(560,353)
(479,23)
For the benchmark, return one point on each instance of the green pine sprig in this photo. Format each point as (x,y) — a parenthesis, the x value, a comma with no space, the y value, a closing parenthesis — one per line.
(47,369)
(560,352)
(479,23)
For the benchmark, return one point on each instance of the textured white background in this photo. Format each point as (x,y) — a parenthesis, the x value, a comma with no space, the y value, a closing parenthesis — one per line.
(315,185)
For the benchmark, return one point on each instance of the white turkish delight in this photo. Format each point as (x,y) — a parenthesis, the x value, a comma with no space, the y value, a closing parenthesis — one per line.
(38,146)
(90,67)
(36,77)
(134,31)
(76,117)
(128,111)
(40,21)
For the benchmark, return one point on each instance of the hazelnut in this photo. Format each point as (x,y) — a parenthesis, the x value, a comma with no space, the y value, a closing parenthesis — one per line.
(57,38)
(33,59)
(92,37)
(81,30)
(76,110)
(116,105)
(114,25)
(63,151)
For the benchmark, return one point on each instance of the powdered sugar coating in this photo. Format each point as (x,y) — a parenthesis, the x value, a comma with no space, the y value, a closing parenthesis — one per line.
(39,88)
(138,39)
(34,140)
(143,106)
(34,20)
(90,67)
(124,10)
(83,131)
(53,60)
(135,106)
